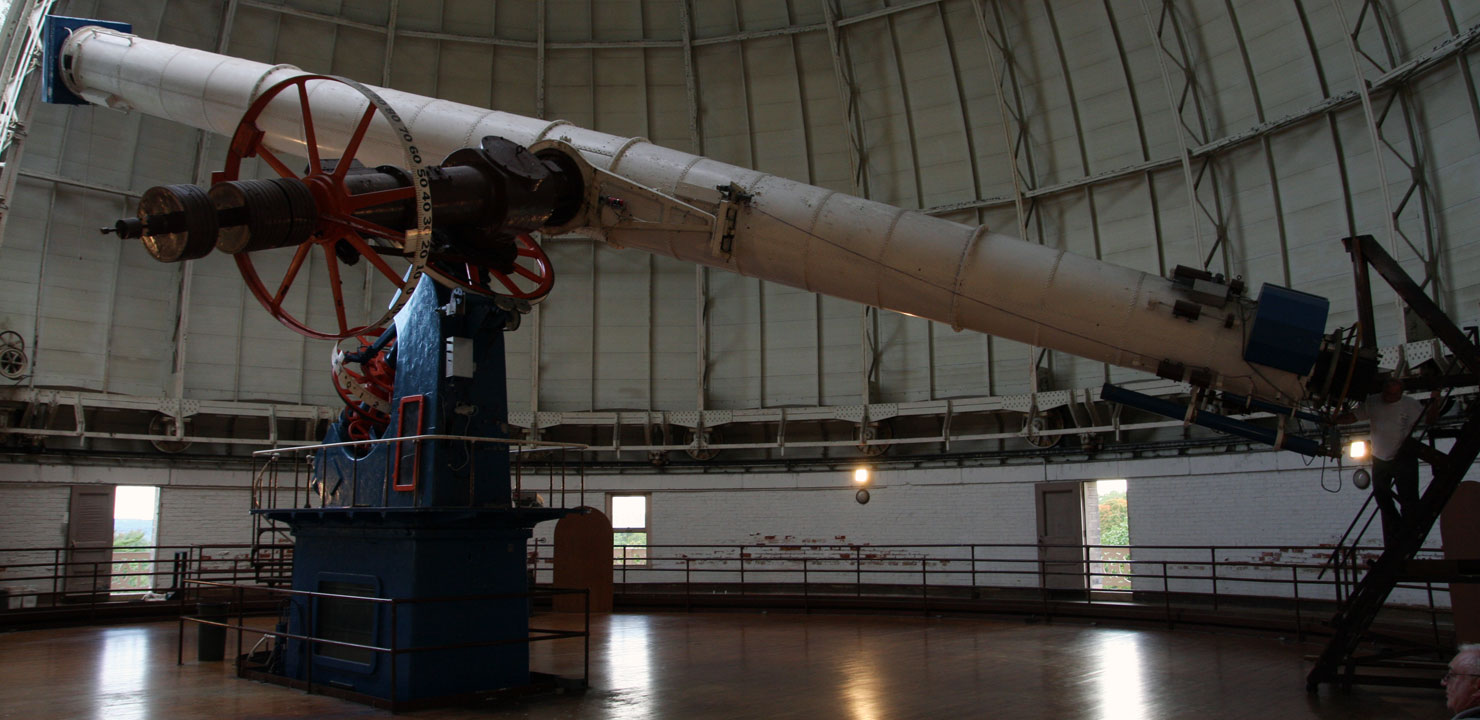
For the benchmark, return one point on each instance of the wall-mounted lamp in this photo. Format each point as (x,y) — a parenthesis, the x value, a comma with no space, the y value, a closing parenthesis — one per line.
(860,478)
(1357,450)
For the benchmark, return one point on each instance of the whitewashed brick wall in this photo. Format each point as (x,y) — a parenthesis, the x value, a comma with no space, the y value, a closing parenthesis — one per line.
(197,506)
(35,516)
(1272,500)
(191,516)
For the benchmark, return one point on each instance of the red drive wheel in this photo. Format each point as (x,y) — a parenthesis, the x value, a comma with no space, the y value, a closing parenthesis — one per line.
(338,232)
(531,279)
(367,392)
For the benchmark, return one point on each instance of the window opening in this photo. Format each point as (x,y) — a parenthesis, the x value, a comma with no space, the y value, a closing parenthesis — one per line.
(1107,532)
(629,529)
(135,527)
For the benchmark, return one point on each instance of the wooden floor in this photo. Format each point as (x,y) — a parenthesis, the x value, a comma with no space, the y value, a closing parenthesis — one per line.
(750,665)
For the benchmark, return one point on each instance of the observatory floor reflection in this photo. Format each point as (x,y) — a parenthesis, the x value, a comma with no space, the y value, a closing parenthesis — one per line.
(745,665)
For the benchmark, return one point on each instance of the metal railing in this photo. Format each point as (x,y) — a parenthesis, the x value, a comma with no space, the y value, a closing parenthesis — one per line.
(1290,582)
(305,488)
(53,580)
(310,642)
(1265,580)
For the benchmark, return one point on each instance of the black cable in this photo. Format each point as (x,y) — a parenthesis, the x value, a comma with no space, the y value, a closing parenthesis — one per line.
(466,446)
(1338,476)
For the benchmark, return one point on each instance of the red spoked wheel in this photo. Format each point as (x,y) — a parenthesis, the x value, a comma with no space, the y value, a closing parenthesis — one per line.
(338,233)
(367,392)
(531,279)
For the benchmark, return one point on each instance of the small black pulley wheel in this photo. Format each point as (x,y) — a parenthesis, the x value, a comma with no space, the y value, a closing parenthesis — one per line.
(13,362)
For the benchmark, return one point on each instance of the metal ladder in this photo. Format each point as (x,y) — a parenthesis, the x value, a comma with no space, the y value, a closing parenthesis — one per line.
(272,544)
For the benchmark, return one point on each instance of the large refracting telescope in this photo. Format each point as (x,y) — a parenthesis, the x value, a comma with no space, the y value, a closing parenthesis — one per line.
(1194,327)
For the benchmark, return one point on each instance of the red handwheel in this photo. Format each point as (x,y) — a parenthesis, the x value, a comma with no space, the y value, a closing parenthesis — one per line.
(338,237)
(532,277)
(367,393)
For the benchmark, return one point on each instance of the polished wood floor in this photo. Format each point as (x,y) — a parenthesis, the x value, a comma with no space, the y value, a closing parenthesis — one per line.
(750,665)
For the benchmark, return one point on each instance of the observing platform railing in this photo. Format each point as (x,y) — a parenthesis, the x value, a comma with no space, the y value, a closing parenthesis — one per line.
(280,482)
(1288,587)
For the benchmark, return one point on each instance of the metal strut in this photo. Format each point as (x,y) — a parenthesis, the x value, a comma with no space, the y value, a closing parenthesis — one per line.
(1355,616)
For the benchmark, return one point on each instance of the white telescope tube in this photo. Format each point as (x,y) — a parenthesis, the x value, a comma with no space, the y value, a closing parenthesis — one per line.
(791,233)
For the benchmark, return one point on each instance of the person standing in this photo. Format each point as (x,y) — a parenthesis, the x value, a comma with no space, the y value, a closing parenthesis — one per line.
(1462,683)
(1392,417)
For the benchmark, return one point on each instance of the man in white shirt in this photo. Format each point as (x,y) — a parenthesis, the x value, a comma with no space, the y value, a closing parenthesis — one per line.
(1392,416)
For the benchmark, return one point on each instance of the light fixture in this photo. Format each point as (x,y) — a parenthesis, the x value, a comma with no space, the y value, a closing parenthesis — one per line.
(1362,479)
(860,476)
(1358,449)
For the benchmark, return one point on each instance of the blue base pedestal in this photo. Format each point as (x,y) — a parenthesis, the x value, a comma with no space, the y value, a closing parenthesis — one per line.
(435,557)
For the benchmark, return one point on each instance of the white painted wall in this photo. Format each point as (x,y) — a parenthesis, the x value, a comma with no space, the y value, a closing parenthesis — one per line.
(1271,501)
(1256,507)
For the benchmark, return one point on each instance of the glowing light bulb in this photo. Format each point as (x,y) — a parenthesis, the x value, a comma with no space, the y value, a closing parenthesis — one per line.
(860,475)
(1358,449)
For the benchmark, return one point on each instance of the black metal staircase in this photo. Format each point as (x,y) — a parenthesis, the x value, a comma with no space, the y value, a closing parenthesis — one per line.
(1340,659)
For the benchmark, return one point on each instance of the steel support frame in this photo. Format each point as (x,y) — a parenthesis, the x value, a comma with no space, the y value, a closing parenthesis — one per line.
(40,414)
(40,410)
(1003,66)
(842,63)
(22,54)
(1354,618)
(1412,158)
(848,96)
(1173,52)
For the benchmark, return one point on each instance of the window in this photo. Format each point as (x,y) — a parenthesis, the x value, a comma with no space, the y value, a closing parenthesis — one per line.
(629,515)
(135,515)
(1108,525)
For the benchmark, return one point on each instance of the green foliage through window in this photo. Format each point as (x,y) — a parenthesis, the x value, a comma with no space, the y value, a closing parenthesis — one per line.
(1115,530)
(1114,519)
(131,565)
(130,539)
(629,548)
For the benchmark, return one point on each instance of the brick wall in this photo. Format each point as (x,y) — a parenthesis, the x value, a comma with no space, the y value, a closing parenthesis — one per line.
(197,506)
(190,516)
(35,515)
(1273,500)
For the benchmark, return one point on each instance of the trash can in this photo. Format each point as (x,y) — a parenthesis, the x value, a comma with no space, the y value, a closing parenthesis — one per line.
(211,645)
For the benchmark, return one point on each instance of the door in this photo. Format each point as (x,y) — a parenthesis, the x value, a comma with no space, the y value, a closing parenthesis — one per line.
(1061,560)
(1461,536)
(89,541)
